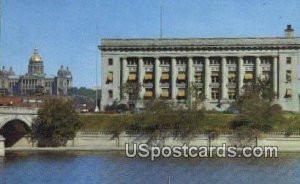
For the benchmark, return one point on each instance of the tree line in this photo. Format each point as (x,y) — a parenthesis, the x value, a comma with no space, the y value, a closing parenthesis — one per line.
(58,121)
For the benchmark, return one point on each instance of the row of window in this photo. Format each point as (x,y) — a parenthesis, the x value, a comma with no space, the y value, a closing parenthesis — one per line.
(215,76)
(215,93)
(200,61)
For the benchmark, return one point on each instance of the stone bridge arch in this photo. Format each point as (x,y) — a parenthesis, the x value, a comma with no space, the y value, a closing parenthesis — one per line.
(23,118)
(15,125)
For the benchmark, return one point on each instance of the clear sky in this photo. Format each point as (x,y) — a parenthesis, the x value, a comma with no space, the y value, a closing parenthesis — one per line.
(67,32)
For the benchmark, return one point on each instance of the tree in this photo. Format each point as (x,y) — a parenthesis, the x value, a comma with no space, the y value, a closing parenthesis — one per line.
(56,123)
(133,90)
(195,96)
(258,113)
(84,95)
(162,119)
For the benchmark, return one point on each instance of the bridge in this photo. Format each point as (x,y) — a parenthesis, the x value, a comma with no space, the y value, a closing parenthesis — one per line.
(23,114)
(15,122)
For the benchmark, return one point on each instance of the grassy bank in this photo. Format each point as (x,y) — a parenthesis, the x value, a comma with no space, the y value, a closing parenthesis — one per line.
(218,121)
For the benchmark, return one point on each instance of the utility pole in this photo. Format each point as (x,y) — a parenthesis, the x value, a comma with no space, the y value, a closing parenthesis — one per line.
(161,29)
(96,88)
(96,108)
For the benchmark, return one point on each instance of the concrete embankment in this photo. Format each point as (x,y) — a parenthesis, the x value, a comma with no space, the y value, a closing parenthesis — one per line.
(2,149)
(105,141)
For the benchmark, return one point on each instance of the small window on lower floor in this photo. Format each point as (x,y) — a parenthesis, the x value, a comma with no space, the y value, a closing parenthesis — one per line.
(215,93)
(110,93)
(288,75)
(288,60)
(288,93)
(110,61)
(232,93)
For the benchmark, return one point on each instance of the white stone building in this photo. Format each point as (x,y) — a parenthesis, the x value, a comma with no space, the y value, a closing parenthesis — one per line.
(219,66)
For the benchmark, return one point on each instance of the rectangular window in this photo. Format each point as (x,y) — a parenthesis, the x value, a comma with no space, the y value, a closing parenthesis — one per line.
(165,76)
(288,93)
(148,93)
(181,76)
(232,77)
(110,94)
(165,93)
(181,93)
(132,77)
(288,75)
(110,61)
(288,60)
(148,76)
(249,77)
(109,77)
(232,93)
(215,93)
(198,77)
(215,78)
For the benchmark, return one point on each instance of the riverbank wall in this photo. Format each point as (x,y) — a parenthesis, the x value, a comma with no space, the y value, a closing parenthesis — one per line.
(108,141)
(2,148)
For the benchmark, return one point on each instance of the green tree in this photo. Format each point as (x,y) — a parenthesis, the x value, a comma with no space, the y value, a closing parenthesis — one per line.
(56,123)
(162,119)
(258,113)
(194,96)
(84,95)
(133,90)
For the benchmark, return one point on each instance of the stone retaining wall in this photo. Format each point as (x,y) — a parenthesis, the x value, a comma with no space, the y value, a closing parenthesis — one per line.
(284,143)
(106,139)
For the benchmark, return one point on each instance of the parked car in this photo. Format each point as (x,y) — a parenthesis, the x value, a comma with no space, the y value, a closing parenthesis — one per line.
(232,110)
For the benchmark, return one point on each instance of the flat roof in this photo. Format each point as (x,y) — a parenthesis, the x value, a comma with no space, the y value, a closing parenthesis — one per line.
(238,41)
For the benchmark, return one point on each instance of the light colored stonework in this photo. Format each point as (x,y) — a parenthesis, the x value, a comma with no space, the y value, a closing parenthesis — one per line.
(225,65)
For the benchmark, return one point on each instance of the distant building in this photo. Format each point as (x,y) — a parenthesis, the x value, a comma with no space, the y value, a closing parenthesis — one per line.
(35,81)
(220,67)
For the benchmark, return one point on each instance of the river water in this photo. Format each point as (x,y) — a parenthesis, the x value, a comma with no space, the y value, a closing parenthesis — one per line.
(114,167)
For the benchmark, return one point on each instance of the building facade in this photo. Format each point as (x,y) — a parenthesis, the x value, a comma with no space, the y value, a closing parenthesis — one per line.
(35,81)
(220,67)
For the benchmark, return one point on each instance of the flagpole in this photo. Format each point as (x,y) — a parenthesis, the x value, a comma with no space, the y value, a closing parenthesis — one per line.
(161,32)
(96,108)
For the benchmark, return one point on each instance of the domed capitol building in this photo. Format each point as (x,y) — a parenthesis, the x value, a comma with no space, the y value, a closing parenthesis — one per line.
(35,81)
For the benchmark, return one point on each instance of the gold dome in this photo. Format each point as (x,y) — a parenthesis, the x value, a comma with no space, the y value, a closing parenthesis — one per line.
(36,57)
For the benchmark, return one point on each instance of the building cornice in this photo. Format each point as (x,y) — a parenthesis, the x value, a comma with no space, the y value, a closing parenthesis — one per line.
(194,44)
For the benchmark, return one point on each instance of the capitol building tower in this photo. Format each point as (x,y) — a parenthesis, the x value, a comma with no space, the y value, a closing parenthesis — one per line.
(36,66)
(35,81)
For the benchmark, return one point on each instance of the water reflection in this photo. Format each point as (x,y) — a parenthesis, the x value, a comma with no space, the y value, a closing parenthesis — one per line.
(113,167)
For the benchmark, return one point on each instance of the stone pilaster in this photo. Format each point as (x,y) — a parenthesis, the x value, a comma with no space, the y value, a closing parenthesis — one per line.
(141,76)
(275,73)
(224,79)
(124,79)
(124,63)
(207,78)
(257,69)
(156,77)
(240,75)
(173,78)
(189,71)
